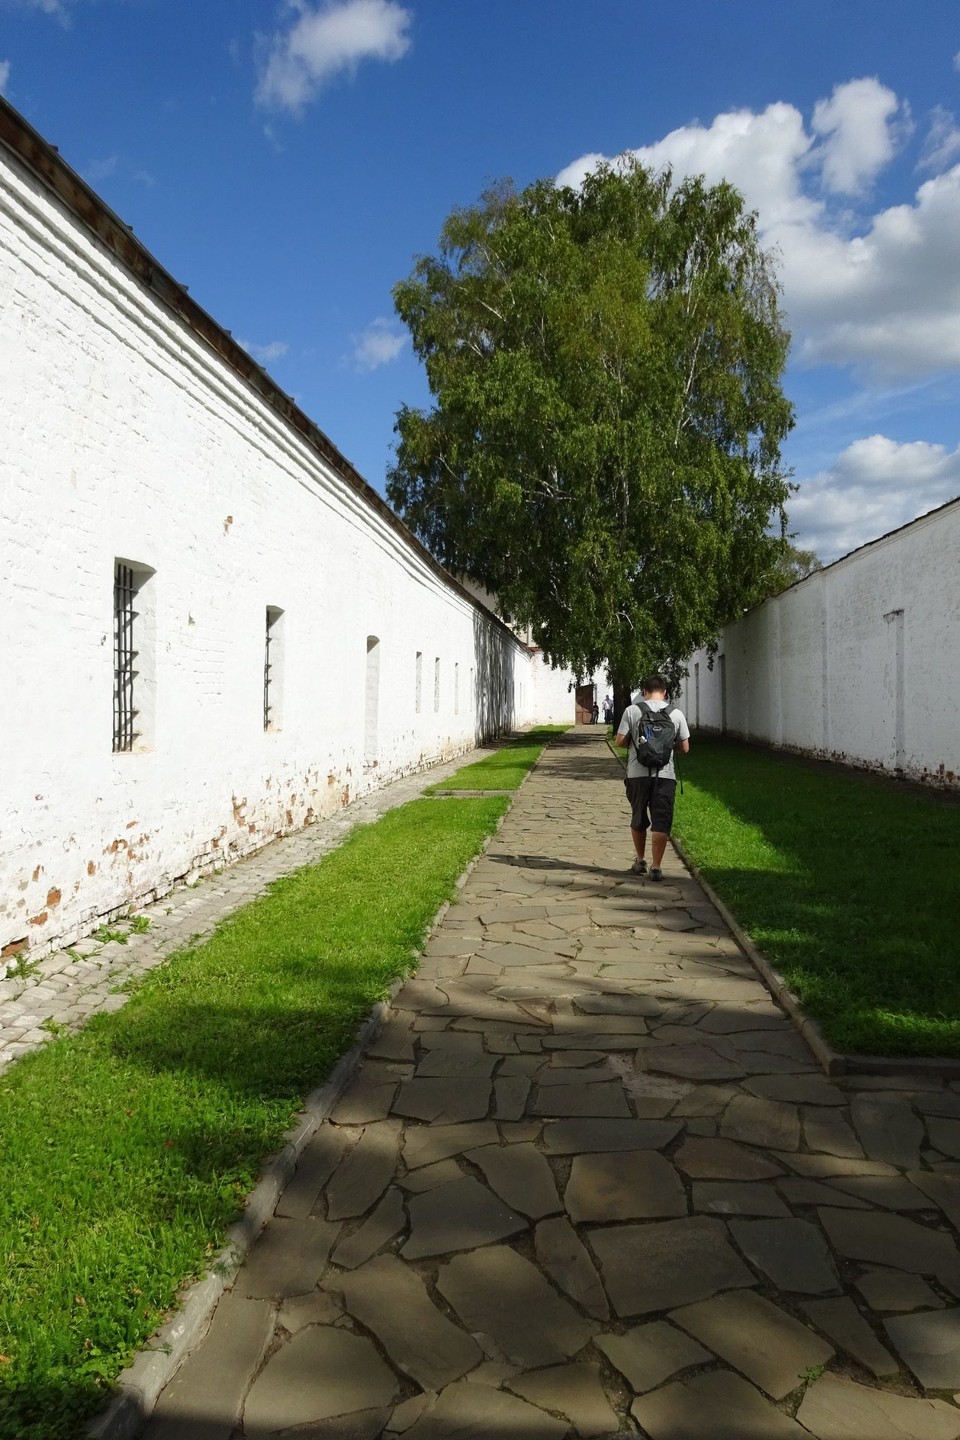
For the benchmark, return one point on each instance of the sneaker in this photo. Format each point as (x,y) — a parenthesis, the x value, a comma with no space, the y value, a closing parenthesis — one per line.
(655,874)
(639,867)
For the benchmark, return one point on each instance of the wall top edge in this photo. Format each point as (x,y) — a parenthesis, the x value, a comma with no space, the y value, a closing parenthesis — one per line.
(44,162)
(918,520)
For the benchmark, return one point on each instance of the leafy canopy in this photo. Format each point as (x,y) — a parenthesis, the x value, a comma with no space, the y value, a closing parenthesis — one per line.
(604,449)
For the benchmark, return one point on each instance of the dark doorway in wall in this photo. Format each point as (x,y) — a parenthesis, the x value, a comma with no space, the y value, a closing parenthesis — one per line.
(586,695)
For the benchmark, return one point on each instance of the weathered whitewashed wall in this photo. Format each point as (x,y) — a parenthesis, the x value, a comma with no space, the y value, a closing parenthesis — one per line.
(124,435)
(859,663)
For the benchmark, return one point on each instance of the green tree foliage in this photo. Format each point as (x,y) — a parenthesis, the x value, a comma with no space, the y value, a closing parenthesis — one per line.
(791,565)
(604,448)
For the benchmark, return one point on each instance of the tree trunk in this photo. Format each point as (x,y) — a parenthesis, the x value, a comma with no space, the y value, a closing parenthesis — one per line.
(621,698)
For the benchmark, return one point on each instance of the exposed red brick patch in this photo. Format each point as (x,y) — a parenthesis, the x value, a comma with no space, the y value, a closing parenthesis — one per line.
(40,919)
(91,868)
(54,896)
(37,873)
(13,947)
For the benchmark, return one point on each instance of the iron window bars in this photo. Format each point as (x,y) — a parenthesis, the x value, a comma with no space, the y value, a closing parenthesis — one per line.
(125,711)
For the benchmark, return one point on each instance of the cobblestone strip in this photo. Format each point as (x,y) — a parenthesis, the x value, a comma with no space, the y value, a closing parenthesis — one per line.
(62,991)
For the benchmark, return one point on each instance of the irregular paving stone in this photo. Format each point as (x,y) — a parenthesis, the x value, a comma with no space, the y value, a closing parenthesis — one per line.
(605,1099)
(466,1410)
(798,1089)
(557,1075)
(498,1292)
(723,1160)
(365,1173)
(232,1350)
(367,1097)
(758,1121)
(715,1406)
(834,1408)
(943,1189)
(726,1020)
(322,1372)
(580,1137)
(945,1136)
(792,1253)
(929,1344)
(623,1185)
(894,1192)
(732,1197)
(426,1144)
(647,1005)
(462,1042)
(408,1411)
(452,1064)
(443,1101)
(894,1240)
(288,1259)
(829,1165)
(429,1176)
(457,1216)
(896,1290)
(887,1128)
(575,1059)
(799,1191)
(700,1100)
(390,1299)
(666,1263)
(565,1260)
(692,1062)
(386,1221)
(319,1158)
(362,1425)
(769,1346)
(520,1176)
(649,1354)
(574,1390)
(317,1308)
(842,1321)
(510,1096)
(826,1131)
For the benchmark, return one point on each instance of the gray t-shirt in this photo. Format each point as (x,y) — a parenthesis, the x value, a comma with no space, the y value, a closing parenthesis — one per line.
(631,719)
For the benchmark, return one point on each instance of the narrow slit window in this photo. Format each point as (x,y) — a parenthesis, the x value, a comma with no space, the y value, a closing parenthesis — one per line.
(456,689)
(134,657)
(125,712)
(419,681)
(271,668)
(436,683)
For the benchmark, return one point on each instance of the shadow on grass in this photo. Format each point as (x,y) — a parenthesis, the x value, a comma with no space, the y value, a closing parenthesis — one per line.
(850,888)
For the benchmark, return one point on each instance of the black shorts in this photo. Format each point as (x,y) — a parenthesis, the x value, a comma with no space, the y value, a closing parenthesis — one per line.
(651,803)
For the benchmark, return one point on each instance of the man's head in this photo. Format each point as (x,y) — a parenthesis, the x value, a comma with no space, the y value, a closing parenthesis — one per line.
(654,687)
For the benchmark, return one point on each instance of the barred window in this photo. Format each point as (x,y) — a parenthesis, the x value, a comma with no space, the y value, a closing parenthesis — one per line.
(125,711)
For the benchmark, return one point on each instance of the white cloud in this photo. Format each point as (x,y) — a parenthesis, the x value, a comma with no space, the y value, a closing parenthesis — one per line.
(4,75)
(873,486)
(942,145)
(886,299)
(265,354)
(323,42)
(378,345)
(956,61)
(860,127)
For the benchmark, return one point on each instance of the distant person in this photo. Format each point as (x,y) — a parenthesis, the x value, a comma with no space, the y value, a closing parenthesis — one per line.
(595,712)
(608,710)
(650,730)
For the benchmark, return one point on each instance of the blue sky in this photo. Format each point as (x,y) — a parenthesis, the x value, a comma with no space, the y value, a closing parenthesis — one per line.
(287,161)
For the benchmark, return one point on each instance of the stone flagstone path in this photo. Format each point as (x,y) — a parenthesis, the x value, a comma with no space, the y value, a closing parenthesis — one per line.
(589,1182)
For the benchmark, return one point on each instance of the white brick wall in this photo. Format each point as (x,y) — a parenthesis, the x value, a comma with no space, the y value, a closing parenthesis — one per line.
(859,663)
(122,434)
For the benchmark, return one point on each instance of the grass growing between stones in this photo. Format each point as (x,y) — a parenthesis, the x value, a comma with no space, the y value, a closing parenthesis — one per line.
(126,1149)
(850,885)
(504,770)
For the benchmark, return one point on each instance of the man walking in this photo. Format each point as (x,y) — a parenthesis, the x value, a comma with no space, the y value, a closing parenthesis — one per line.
(651,730)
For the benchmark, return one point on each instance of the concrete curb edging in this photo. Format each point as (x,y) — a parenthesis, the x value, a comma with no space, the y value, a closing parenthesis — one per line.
(832,1062)
(140,1385)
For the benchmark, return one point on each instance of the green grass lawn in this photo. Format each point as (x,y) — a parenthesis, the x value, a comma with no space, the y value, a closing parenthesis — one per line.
(126,1150)
(505,769)
(850,885)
